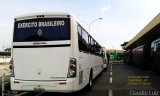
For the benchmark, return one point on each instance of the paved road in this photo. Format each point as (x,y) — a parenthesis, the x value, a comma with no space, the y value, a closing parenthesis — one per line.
(120,80)
(132,81)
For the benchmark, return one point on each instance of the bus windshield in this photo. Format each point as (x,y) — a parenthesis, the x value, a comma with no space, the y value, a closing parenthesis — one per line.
(43,29)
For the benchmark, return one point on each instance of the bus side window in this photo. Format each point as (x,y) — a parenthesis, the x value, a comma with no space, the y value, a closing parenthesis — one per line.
(92,46)
(85,41)
(89,43)
(158,46)
(79,37)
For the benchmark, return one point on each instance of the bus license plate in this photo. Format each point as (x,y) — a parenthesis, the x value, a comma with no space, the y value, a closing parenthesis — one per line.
(39,89)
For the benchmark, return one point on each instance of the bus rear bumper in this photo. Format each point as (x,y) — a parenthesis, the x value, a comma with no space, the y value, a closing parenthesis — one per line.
(70,85)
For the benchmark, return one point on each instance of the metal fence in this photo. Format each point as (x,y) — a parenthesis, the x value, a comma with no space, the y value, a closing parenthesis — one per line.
(5,82)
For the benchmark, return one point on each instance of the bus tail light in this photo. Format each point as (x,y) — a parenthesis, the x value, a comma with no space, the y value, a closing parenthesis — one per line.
(72,68)
(11,67)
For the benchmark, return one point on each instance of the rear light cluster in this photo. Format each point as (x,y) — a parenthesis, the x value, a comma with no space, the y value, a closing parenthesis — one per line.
(72,68)
(11,67)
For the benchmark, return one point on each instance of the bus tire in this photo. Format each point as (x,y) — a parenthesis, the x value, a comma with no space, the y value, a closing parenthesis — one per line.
(89,86)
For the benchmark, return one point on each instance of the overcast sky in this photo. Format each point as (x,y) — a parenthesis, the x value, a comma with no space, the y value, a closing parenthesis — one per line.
(122,19)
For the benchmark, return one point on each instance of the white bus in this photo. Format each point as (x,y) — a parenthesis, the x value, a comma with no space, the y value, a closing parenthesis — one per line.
(52,52)
(105,60)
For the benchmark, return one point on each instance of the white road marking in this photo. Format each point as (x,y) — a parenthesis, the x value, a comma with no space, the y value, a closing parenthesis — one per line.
(110,93)
(23,93)
(39,94)
(110,79)
(110,73)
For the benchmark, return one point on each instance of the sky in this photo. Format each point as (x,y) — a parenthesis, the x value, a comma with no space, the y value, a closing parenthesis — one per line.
(122,19)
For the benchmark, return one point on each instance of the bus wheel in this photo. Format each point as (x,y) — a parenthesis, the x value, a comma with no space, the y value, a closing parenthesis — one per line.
(89,86)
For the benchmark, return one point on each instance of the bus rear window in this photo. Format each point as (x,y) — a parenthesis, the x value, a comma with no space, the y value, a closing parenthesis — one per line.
(42,29)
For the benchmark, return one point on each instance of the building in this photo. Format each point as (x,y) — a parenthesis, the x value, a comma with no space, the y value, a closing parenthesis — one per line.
(5,57)
(116,55)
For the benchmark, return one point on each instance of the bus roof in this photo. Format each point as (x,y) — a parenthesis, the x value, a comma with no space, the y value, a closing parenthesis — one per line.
(43,13)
